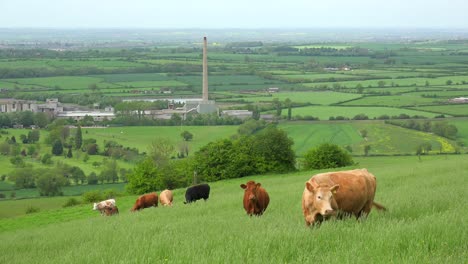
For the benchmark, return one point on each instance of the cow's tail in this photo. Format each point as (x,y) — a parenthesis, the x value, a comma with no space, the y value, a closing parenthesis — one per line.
(379,206)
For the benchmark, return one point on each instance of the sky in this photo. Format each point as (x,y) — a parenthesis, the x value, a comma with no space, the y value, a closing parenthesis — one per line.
(234,14)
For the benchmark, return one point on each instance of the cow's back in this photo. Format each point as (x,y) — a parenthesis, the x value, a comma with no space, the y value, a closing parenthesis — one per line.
(263,199)
(356,192)
(197,192)
(166,197)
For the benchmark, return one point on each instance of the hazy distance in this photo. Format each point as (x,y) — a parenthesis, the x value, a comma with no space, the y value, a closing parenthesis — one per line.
(217,14)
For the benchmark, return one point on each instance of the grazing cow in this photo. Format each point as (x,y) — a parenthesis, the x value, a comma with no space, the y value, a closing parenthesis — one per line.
(101,206)
(256,198)
(111,210)
(197,192)
(165,198)
(145,201)
(345,192)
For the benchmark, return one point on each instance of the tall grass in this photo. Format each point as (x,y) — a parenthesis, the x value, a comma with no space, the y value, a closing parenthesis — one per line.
(426,223)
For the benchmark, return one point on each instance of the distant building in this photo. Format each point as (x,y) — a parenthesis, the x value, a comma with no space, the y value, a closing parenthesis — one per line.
(459,100)
(79,115)
(241,114)
(9,105)
(273,90)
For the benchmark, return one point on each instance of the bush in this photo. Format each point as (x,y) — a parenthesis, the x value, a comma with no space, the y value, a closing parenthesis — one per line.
(92,196)
(111,193)
(32,209)
(71,202)
(2,195)
(327,156)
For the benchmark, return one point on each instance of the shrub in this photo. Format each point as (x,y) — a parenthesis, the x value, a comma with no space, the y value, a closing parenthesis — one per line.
(327,156)
(92,196)
(32,209)
(111,193)
(2,195)
(71,202)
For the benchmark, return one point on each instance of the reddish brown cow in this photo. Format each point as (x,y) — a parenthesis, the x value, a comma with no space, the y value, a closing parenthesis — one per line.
(256,198)
(111,210)
(165,198)
(145,201)
(346,192)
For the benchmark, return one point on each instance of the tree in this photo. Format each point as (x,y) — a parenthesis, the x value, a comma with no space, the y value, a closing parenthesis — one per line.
(18,162)
(251,127)
(160,151)
(366,150)
(277,105)
(92,178)
(449,82)
(78,138)
(363,133)
(327,156)
(46,159)
(57,148)
(77,174)
(381,84)
(69,153)
(288,104)
(144,178)
(50,183)
(187,136)
(23,178)
(33,136)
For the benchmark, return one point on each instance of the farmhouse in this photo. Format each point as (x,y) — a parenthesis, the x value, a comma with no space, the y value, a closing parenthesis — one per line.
(241,114)
(79,115)
(459,100)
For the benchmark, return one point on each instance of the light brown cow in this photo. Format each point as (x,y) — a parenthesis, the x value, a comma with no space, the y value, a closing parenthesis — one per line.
(344,192)
(145,201)
(111,210)
(256,198)
(165,198)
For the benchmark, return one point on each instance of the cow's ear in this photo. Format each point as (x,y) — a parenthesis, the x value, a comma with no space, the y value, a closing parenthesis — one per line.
(243,186)
(334,188)
(258,185)
(310,187)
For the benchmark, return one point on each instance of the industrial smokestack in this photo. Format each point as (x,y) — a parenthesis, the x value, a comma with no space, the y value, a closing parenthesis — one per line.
(205,71)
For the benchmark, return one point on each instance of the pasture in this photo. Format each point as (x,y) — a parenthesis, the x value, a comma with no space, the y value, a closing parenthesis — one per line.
(425,223)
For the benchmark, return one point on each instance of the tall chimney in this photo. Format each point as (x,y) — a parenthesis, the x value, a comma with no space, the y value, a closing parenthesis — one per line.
(205,71)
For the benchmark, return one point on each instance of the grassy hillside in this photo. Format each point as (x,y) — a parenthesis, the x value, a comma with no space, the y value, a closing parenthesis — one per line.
(425,223)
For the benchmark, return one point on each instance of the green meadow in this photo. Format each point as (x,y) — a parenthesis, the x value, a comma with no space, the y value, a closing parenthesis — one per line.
(423,224)
(325,112)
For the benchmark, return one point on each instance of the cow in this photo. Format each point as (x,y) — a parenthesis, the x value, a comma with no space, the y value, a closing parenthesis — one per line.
(339,194)
(145,201)
(165,198)
(111,210)
(256,198)
(101,206)
(197,192)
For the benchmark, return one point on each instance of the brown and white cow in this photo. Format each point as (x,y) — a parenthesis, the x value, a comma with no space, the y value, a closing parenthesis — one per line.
(345,192)
(145,201)
(165,198)
(256,198)
(101,206)
(108,211)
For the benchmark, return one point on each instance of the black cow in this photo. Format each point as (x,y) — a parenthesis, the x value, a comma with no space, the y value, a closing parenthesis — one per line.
(197,192)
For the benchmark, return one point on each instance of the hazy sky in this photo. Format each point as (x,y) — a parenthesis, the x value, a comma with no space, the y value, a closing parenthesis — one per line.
(234,13)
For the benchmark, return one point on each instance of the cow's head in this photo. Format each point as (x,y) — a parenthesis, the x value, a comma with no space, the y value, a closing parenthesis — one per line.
(322,198)
(250,195)
(95,206)
(251,190)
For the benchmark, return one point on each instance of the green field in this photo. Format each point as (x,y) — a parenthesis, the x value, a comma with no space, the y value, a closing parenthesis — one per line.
(424,224)
(325,112)
(449,109)
(321,98)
